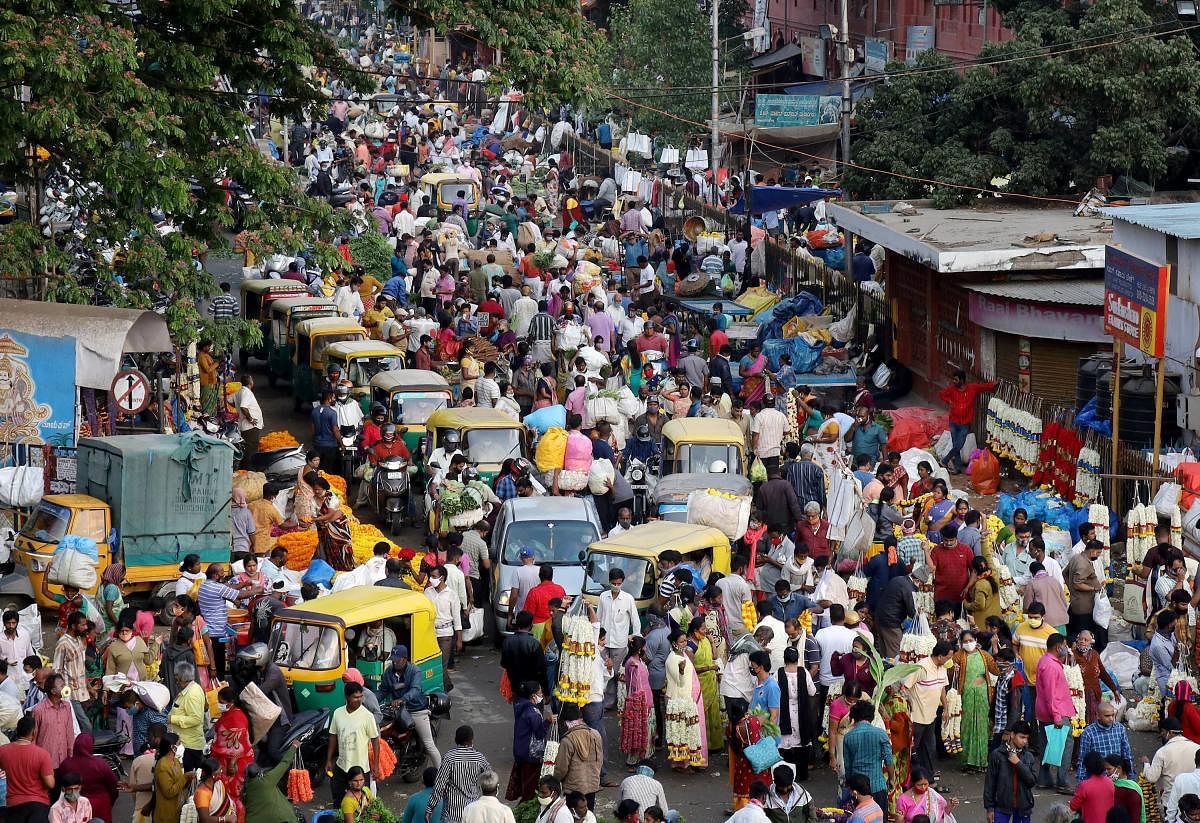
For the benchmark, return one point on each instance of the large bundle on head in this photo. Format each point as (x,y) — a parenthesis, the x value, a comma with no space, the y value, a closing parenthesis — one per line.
(74,562)
(463,504)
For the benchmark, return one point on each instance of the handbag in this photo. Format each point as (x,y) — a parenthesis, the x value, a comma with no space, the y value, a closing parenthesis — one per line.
(763,755)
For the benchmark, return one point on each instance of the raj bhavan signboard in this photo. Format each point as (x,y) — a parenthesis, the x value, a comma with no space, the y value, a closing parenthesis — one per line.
(1135,301)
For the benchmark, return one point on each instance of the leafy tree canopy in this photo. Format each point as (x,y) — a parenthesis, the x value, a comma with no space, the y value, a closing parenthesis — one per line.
(1077,93)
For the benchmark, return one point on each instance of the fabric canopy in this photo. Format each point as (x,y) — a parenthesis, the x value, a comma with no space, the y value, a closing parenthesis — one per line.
(773,198)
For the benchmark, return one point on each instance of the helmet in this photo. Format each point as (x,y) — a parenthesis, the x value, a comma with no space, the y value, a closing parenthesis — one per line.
(718,467)
(451,440)
(388,431)
(643,432)
(470,473)
(256,653)
(378,410)
(439,703)
(522,466)
(342,392)
(333,368)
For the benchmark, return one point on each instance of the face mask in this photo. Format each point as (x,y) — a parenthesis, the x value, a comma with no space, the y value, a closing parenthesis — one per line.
(970,646)
(545,801)
(784,598)
(434,581)
(1083,649)
(1035,622)
(72,797)
(223,706)
(538,700)
(918,790)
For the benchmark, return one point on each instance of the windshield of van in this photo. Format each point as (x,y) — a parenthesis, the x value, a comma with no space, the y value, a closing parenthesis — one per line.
(639,581)
(559,542)
(691,457)
(301,646)
(493,445)
(48,523)
(414,409)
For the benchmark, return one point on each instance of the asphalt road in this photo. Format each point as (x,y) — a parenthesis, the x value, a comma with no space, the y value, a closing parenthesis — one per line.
(477,702)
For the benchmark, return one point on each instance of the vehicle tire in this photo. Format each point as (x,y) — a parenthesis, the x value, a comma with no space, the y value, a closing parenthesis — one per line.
(316,775)
(166,613)
(395,521)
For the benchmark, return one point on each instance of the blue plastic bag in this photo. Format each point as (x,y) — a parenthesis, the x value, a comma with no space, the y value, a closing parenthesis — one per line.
(319,573)
(83,545)
(1005,506)
(550,417)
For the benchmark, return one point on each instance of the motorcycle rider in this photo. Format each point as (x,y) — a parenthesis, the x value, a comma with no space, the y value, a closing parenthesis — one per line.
(389,445)
(447,448)
(400,689)
(253,664)
(333,379)
(642,446)
(372,431)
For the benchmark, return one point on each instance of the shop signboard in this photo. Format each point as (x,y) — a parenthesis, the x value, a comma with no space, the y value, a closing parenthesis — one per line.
(787,110)
(1135,301)
(812,56)
(876,54)
(920,38)
(1046,321)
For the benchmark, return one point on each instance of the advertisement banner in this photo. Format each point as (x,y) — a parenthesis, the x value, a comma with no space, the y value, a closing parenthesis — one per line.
(1135,301)
(876,53)
(785,110)
(920,38)
(37,389)
(812,56)
(1046,321)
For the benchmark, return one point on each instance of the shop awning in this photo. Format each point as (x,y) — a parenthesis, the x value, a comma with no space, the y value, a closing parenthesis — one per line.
(774,198)
(1069,292)
(771,59)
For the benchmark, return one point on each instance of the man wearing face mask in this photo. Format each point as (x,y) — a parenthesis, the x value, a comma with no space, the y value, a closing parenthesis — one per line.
(1016,555)
(447,625)
(1030,641)
(1009,699)
(72,807)
(1054,710)
(928,692)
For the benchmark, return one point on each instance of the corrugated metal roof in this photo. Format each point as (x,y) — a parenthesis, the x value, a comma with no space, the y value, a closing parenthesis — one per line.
(1180,220)
(1070,292)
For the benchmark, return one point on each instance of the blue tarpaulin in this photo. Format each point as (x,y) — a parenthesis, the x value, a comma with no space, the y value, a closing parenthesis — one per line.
(774,198)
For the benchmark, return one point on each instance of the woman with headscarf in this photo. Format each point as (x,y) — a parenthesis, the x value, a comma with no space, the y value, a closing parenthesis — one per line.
(231,745)
(99,782)
(335,543)
(109,597)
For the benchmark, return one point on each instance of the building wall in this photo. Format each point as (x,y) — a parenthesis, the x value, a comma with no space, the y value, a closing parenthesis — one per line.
(958,32)
(934,334)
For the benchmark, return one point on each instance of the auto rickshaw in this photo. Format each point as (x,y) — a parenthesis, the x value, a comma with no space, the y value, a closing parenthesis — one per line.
(314,643)
(701,444)
(636,552)
(410,397)
(313,337)
(442,188)
(488,437)
(670,495)
(279,341)
(257,296)
(361,360)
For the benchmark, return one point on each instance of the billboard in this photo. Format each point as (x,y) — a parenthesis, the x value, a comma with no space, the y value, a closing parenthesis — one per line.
(37,389)
(785,110)
(920,38)
(812,56)
(1135,301)
(876,53)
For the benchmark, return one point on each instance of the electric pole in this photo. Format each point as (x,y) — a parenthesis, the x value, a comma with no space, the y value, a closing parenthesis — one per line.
(715,132)
(847,102)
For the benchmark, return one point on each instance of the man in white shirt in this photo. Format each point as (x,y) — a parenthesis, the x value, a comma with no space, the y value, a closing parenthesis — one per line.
(447,621)
(645,279)
(15,645)
(488,808)
(349,410)
(778,642)
(630,326)
(833,638)
(1186,783)
(619,621)
(766,433)
(250,418)
(624,522)
(603,671)
(418,326)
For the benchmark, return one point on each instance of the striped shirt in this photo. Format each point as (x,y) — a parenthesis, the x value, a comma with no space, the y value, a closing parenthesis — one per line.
(868,812)
(223,307)
(211,598)
(541,326)
(458,781)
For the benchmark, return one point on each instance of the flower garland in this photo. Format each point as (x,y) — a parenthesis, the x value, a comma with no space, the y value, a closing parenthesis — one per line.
(1140,523)
(1074,676)
(577,661)
(915,647)
(1014,433)
(301,546)
(1178,676)
(1177,527)
(1144,716)
(952,722)
(1087,476)
(1010,599)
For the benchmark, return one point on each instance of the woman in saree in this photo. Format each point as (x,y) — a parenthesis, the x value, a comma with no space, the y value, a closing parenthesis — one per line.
(545,392)
(898,724)
(110,599)
(921,799)
(686,744)
(506,339)
(335,544)
(752,370)
(213,797)
(304,501)
(637,718)
(972,665)
(939,511)
(829,446)
(231,746)
(631,366)
(1129,794)
(716,622)
(701,649)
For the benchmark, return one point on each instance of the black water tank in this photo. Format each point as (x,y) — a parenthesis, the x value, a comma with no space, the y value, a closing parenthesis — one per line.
(1104,394)
(1090,369)
(1137,408)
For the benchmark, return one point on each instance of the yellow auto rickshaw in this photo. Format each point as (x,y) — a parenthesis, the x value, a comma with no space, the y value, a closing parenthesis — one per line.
(279,339)
(486,437)
(443,188)
(258,294)
(411,396)
(314,643)
(703,444)
(313,338)
(361,360)
(637,551)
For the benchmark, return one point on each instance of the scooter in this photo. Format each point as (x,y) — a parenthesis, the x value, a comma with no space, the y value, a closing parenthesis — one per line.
(279,465)
(107,746)
(227,431)
(348,451)
(389,491)
(401,733)
(641,481)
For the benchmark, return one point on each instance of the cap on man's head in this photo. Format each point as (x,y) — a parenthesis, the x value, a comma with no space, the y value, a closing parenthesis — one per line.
(525,552)
(399,652)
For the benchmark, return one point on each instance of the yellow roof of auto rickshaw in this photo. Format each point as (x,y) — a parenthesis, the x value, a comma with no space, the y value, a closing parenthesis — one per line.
(410,380)
(349,349)
(74,501)
(358,605)
(704,430)
(652,539)
(436,177)
(471,418)
(326,325)
(273,284)
(285,304)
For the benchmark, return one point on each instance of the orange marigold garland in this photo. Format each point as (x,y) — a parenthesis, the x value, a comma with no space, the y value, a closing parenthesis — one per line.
(338,484)
(301,546)
(299,784)
(277,440)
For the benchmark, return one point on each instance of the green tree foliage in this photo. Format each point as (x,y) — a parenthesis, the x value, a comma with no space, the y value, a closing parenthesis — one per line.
(1077,93)
(125,97)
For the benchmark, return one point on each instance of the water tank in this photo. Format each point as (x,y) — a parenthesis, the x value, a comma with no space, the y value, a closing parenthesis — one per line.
(1137,408)
(1090,369)
(1104,394)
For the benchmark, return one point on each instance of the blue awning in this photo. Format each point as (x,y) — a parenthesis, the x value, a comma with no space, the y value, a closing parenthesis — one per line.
(830,88)
(774,198)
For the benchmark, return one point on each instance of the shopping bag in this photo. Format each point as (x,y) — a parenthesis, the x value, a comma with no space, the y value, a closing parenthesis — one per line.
(1133,607)
(762,755)
(1056,741)
(1166,499)
(474,628)
(1102,609)
(985,473)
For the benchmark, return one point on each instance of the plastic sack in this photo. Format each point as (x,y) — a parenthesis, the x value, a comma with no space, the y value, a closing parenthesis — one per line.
(1166,499)
(577,453)
(319,573)
(20,486)
(985,473)
(547,418)
(603,408)
(572,481)
(571,336)
(360,576)
(727,512)
(251,483)
(551,449)
(628,405)
(601,476)
(261,710)
(72,568)
(473,630)
(83,545)
(30,619)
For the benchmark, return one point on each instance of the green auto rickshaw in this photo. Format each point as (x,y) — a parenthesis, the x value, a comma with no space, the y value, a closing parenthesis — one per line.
(257,297)
(313,338)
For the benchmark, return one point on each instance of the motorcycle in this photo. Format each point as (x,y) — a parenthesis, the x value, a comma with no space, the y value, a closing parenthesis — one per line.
(640,476)
(400,731)
(389,491)
(311,728)
(348,451)
(279,465)
(223,430)
(107,745)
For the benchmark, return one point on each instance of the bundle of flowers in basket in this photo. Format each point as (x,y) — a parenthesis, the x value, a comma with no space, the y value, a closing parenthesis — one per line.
(857,586)
(462,504)
(572,481)
(277,440)
(576,663)
(1074,677)
(952,722)
(1144,716)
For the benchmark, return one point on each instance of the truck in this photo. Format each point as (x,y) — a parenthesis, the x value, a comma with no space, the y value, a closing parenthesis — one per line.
(147,500)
